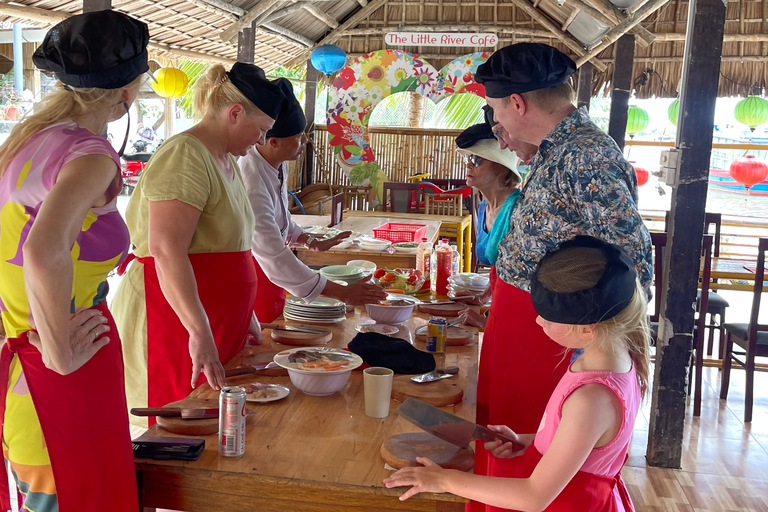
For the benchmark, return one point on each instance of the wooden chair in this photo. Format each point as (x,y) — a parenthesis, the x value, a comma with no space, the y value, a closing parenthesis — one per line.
(659,243)
(751,337)
(443,204)
(401,197)
(716,303)
(337,209)
(357,198)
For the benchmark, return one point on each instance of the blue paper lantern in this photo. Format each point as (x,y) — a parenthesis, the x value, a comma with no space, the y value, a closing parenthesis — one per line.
(328,58)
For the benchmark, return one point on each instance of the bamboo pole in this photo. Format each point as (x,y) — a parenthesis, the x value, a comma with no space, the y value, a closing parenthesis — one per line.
(261,8)
(279,29)
(317,13)
(565,38)
(645,37)
(619,30)
(464,27)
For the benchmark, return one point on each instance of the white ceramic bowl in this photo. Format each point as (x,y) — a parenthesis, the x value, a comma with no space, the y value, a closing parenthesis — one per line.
(319,384)
(391,315)
(366,265)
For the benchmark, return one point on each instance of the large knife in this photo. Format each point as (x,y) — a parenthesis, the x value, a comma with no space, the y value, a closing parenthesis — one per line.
(251,368)
(443,373)
(176,412)
(448,427)
(294,328)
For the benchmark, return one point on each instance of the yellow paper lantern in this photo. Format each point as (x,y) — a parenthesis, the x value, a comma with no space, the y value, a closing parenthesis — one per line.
(171,82)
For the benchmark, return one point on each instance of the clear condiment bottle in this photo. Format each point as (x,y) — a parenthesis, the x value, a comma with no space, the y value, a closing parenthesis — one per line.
(456,267)
(424,261)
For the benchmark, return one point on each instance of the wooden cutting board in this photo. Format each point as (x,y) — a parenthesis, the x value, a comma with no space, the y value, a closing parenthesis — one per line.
(265,357)
(457,337)
(203,427)
(301,339)
(401,450)
(446,310)
(438,393)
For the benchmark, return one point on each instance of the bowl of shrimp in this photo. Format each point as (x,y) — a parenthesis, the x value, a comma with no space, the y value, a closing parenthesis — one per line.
(318,371)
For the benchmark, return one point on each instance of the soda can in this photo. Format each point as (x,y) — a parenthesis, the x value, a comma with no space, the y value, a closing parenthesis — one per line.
(437,332)
(232,421)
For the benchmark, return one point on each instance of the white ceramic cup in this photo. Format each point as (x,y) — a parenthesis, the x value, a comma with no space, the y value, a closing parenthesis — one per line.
(377,384)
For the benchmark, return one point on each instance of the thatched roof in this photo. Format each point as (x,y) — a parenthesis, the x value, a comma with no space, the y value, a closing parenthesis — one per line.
(287,30)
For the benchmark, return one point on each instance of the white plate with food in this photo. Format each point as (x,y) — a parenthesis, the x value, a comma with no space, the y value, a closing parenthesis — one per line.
(322,360)
(374,243)
(407,247)
(387,330)
(260,392)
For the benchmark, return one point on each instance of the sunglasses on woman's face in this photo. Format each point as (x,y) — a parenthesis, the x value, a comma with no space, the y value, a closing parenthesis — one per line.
(473,160)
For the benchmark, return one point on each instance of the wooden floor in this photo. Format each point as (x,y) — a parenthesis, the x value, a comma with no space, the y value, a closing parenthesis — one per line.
(725,462)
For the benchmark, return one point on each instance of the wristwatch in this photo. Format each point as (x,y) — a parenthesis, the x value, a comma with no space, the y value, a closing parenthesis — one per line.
(310,239)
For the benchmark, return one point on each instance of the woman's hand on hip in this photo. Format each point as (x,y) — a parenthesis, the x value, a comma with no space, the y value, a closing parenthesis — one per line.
(86,330)
(205,359)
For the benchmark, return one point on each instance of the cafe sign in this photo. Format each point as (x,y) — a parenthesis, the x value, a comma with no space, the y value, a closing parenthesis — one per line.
(456,39)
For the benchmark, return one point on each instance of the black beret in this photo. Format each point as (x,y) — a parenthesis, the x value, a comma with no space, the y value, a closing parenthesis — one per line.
(474,133)
(291,120)
(102,49)
(252,82)
(524,67)
(393,353)
(610,296)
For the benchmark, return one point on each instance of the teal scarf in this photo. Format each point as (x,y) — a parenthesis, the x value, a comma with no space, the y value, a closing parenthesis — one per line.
(500,227)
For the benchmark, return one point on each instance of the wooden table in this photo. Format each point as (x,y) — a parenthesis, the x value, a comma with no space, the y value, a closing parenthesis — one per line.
(461,224)
(725,268)
(303,453)
(365,222)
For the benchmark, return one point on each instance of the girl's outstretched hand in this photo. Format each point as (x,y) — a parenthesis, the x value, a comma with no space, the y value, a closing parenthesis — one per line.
(503,450)
(429,478)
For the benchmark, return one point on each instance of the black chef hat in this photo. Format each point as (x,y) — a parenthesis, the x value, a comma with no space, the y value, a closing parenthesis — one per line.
(252,82)
(610,296)
(488,114)
(102,49)
(291,120)
(474,134)
(524,67)
(396,354)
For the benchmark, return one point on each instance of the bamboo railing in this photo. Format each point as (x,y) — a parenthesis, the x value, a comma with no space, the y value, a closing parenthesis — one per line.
(401,152)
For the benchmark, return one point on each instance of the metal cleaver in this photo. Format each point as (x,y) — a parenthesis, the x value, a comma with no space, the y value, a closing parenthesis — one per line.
(443,373)
(448,427)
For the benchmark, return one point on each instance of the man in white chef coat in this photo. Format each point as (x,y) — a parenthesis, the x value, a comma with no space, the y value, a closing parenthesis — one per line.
(265,171)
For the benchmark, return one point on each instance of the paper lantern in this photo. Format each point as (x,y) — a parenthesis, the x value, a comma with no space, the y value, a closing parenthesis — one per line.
(749,170)
(673,111)
(171,82)
(752,111)
(328,58)
(637,120)
(642,174)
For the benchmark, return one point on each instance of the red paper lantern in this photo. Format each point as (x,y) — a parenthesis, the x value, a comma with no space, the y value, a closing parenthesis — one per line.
(642,175)
(749,170)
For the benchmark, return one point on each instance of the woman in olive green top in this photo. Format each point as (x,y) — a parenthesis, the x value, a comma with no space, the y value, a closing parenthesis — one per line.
(185,306)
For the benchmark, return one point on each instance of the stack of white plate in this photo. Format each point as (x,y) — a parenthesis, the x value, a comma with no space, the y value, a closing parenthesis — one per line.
(468,282)
(322,310)
(374,244)
(346,273)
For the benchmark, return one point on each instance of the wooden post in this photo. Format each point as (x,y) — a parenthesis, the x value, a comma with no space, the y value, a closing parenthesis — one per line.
(584,94)
(701,68)
(246,44)
(622,87)
(310,104)
(96,5)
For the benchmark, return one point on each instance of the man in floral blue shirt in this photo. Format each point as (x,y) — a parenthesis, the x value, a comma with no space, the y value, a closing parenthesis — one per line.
(579,184)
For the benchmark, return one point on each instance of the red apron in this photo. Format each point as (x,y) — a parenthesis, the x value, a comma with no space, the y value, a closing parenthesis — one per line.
(584,493)
(519,368)
(84,417)
(226,285)
(270,298)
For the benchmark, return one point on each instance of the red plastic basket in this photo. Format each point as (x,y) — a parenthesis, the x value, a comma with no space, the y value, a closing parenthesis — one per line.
(395,232)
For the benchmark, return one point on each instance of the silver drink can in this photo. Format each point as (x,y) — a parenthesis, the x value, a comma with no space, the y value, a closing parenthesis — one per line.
(232,421)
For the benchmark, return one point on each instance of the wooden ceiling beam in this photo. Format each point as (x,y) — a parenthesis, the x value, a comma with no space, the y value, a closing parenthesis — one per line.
(322,16)
(499,29)
(204,5)
(619,30)
(564,37)
(285,11)
(335,34)
(246,19)
(612,17)
(279,29)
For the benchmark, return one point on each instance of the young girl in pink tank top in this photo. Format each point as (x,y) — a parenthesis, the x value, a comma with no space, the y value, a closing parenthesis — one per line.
(587,296)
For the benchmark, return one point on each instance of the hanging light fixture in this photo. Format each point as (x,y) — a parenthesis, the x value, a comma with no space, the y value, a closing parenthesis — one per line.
(641,173)
(673,111)
(637,120)
(749,170)
(752,111)
(328,58)
(171,82)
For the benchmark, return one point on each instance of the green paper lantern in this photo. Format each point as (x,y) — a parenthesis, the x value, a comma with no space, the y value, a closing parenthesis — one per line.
(637,120)
(752,111)
(673,111)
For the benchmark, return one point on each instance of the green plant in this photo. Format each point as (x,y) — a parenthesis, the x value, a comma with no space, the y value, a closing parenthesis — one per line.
(458,112)
(194,71)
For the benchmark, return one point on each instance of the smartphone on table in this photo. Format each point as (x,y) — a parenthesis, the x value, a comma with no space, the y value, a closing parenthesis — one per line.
(165,448)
